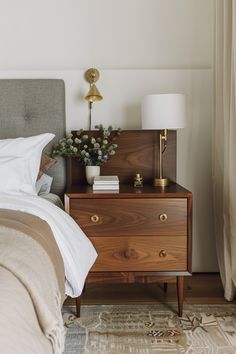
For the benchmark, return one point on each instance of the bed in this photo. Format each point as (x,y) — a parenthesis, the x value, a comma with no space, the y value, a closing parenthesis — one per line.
(44,255)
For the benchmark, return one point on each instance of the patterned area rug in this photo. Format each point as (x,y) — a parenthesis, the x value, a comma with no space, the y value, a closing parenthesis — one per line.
(146,329)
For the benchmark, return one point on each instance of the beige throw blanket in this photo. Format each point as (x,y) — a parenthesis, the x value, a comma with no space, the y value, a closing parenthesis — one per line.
(30,263)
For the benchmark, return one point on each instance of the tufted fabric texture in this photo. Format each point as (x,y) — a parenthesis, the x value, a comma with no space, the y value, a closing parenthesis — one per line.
(34,106)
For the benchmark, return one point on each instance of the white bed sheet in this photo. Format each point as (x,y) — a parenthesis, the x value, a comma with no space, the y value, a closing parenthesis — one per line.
(76,249)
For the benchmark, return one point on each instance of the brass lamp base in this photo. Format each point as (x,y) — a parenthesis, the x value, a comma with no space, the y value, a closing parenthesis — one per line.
(161,182)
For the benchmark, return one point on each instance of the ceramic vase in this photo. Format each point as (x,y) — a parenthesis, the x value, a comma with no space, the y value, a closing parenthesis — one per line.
(91,172)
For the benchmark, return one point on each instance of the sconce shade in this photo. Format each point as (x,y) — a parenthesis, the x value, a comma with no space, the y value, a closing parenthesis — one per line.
(164,111)
(93,95)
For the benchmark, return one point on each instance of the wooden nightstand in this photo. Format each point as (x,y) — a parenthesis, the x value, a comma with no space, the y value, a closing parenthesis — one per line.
(140,234)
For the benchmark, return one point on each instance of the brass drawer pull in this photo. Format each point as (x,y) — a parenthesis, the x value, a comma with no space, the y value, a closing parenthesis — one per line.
(162,253)
(163,217)
(94,218)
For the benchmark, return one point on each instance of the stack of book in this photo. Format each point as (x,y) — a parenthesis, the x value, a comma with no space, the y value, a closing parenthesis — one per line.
(106,183)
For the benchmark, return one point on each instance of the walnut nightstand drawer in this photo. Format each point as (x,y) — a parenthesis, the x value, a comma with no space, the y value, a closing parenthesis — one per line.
(140,253)
(106,217)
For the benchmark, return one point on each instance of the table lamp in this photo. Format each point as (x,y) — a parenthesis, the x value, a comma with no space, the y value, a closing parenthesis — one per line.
(163,112)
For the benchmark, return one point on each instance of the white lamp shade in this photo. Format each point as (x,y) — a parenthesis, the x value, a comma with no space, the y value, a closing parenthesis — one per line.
(164,111)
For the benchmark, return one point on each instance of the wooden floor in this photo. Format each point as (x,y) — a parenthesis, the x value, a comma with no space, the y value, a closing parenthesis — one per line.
(204,288)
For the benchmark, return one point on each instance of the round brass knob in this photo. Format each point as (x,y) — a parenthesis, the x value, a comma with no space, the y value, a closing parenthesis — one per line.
(162,253)
(163,217)
(94,218)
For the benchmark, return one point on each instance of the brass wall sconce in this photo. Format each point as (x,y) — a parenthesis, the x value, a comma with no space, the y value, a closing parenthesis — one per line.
(91,76)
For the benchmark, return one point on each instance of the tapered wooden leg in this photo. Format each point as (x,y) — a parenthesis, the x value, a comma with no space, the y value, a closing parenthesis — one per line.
(180,294)
(78,303)
(165,287)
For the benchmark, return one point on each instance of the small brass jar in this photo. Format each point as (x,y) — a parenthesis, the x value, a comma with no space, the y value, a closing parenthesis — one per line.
(138,180)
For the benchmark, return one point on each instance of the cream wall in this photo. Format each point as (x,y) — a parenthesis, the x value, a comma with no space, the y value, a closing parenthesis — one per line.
(114,34)
(140,47)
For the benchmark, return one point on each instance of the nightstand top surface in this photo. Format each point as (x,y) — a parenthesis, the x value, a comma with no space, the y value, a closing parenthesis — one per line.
(128,191)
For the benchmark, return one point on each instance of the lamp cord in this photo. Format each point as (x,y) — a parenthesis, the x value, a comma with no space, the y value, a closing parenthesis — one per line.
(164,147)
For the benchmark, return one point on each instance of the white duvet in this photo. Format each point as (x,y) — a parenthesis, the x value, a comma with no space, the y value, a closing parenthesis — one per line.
(76,249)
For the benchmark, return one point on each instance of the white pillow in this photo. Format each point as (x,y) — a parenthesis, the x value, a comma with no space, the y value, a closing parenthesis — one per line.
(43,184)
(15,176)
(29,149)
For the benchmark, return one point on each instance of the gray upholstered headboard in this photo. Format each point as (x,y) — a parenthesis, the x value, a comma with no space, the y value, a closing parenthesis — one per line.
(34,106)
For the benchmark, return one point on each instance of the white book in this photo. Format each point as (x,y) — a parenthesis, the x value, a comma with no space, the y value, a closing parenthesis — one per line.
(105,187)
(106,191)
(106,180)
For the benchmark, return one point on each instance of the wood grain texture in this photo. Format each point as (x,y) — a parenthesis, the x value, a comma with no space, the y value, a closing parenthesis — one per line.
(137,153)
(127,277)
(173,190)
(126,216)
(140,253)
